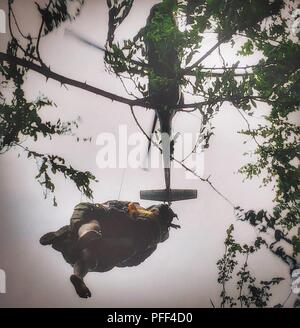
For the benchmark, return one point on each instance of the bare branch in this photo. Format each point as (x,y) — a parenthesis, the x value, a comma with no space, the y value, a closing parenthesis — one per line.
(49,74)
(232,67)
(17,24)
(11,13)
(40,35)
(250,130)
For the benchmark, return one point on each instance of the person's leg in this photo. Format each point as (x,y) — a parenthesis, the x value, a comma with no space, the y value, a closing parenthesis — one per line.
(87,259)
(85,262)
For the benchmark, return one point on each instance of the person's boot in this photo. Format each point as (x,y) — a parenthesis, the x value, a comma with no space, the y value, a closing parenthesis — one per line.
(80,287)
(50,237)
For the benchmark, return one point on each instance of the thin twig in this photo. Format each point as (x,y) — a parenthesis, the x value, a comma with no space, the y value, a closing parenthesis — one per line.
(250,130)
(17,25)
(40,35)
(242,283)
(289,295)
(10,12)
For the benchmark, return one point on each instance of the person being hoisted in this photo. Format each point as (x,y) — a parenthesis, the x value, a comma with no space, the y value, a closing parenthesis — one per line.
(113,234)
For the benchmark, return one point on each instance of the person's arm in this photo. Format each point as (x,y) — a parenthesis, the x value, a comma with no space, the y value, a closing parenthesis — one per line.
(135,210)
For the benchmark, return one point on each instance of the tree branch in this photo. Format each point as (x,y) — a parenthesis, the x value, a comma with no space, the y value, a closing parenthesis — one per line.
(45,71)
(242,281)
(214,74)
(49,74)
(232,67)
(40,35)
(17,24)
(142,102)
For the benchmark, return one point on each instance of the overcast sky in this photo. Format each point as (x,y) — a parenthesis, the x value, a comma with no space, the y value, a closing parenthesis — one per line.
(182,272)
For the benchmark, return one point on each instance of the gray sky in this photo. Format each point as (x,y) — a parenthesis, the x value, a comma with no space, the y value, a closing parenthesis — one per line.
(182,272)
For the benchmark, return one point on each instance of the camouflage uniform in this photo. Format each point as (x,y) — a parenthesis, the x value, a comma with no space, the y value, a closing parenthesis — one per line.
(115,223)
